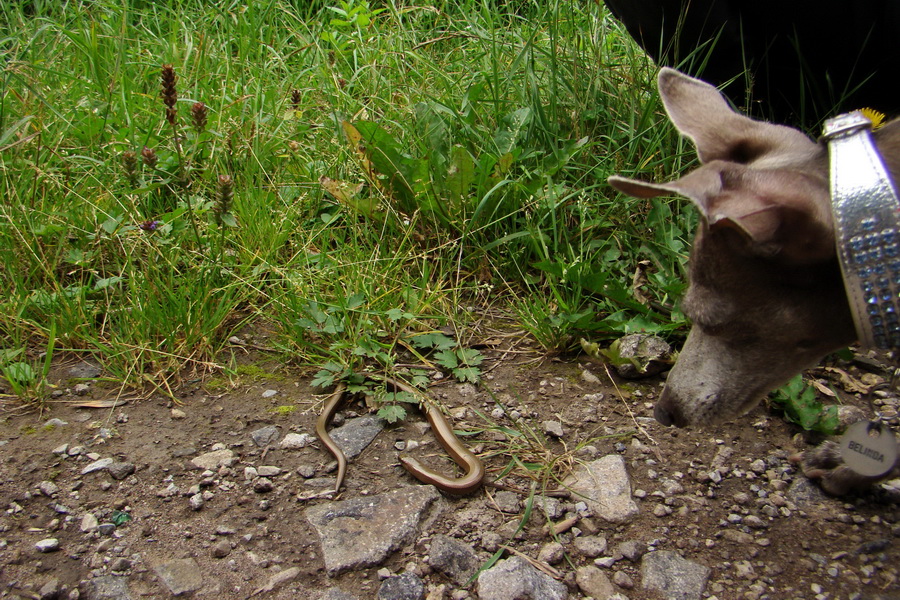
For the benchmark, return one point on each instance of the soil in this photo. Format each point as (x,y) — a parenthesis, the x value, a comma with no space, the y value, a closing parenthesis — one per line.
(763,531)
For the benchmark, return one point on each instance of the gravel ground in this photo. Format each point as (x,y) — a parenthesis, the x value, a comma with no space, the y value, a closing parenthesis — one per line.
(222,495)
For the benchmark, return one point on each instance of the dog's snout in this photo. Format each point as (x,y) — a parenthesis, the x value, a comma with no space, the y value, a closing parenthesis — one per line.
(665,410)
(663,415)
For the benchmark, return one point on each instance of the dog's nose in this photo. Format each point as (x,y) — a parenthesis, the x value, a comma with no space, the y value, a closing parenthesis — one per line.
(665,410)
(662,414)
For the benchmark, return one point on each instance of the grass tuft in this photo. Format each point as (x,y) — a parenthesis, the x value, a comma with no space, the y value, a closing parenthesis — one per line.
(350,172)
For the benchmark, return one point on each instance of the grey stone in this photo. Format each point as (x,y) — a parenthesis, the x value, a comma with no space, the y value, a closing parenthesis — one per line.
(54,423)
(83,370)
(453,558)
(674,576)
(89,523)
(548,507)
(553,428)
(804,493)
(106,528)
(353,436)
(48,488)
(604,485)
(594,582)
(623,580)
(119,565)
(180,576)
(107,587)
(261,485)
(50,590)
(264,436)
(47,545)
(97,465)
(633,550)
(120,470)
(552,553)
(361,532)
(590,546)
(213,460)
(405,586)
(221,549)
(515,579)
(295,441)
(507,502)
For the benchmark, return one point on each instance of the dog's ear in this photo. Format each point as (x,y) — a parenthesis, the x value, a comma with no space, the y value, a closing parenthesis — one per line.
(702,114)
(777,212)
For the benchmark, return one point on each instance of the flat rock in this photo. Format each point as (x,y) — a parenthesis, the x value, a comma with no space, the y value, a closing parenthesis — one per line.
(515,579)
(120,470)
(89,523)
(97,465)
(590,546)
(213,460)
(264,436)
(362,532)
(676,577)
(295,441)
(180,576)
(606,488)
(454,558)
(594,583)
(405,586)
(47,545)
(107,587)
(354,435)
(83,370)
(805,494)
(50,590)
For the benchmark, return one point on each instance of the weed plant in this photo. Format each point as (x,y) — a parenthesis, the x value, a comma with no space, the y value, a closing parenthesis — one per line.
(350,171)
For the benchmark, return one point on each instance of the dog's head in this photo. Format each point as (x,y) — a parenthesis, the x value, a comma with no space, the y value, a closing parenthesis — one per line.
(766,297)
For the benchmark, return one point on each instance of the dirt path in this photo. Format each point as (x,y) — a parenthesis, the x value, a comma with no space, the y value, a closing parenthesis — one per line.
(152,521)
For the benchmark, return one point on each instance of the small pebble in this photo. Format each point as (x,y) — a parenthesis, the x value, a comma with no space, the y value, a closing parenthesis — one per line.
(47,545)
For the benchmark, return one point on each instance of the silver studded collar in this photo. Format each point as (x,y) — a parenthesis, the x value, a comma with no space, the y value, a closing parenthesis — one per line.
(867,229)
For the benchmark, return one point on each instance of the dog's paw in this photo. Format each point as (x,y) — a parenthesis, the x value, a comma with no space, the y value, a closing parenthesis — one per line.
(824,464)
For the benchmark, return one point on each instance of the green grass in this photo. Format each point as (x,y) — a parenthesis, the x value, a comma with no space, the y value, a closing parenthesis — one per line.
(388,163)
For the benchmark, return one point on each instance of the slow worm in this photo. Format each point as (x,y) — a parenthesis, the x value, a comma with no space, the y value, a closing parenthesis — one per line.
(474,469)
(322,423)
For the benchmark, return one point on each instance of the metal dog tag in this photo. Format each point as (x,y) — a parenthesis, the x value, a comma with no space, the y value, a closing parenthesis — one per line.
(869,448)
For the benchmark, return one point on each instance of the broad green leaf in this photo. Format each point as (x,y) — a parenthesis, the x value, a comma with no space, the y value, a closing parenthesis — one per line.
(447,359)
(460,175)
(8,354)
(433,339)
(392,413)
(469,374)
(324,378)
(470,356)
(355,301)
(19,372)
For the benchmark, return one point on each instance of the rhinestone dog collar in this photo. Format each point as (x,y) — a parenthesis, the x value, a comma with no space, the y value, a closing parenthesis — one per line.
(867,229)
